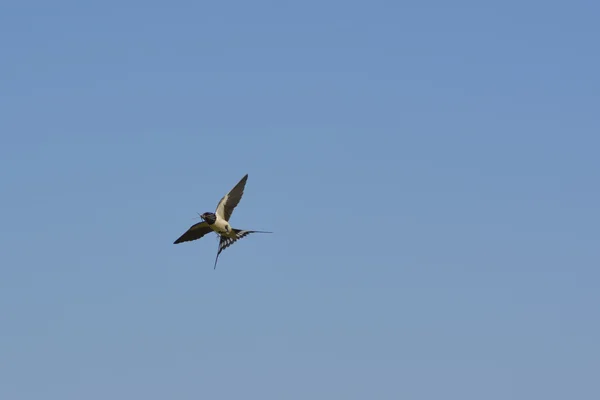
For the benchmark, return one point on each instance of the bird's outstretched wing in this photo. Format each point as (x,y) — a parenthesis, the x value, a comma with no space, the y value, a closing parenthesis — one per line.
(225,242)
(196,231)
(231,199)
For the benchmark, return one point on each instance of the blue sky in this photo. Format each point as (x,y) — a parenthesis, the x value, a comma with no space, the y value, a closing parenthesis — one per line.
(430,170)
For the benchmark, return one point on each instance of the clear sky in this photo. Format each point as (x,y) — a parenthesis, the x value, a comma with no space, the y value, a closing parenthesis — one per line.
(430,169)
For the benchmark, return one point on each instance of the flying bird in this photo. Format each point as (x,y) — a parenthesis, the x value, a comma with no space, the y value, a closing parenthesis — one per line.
(219,221)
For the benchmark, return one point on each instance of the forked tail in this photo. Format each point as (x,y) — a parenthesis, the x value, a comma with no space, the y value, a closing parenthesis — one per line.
(237,231)
(225,242)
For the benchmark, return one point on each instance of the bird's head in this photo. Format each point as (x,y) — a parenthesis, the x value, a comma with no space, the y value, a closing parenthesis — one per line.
(209,217)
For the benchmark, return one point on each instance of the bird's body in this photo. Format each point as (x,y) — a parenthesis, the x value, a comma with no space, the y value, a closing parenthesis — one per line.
(218,221)
(221,227)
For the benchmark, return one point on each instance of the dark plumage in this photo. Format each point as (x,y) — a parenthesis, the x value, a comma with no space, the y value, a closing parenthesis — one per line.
(209,217)
(196,231)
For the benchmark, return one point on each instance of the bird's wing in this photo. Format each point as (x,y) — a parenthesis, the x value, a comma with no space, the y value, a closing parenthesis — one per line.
(225,241)
(196,231)
(231,200)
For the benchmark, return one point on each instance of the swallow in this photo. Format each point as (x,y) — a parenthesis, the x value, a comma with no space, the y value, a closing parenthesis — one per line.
(218,221)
